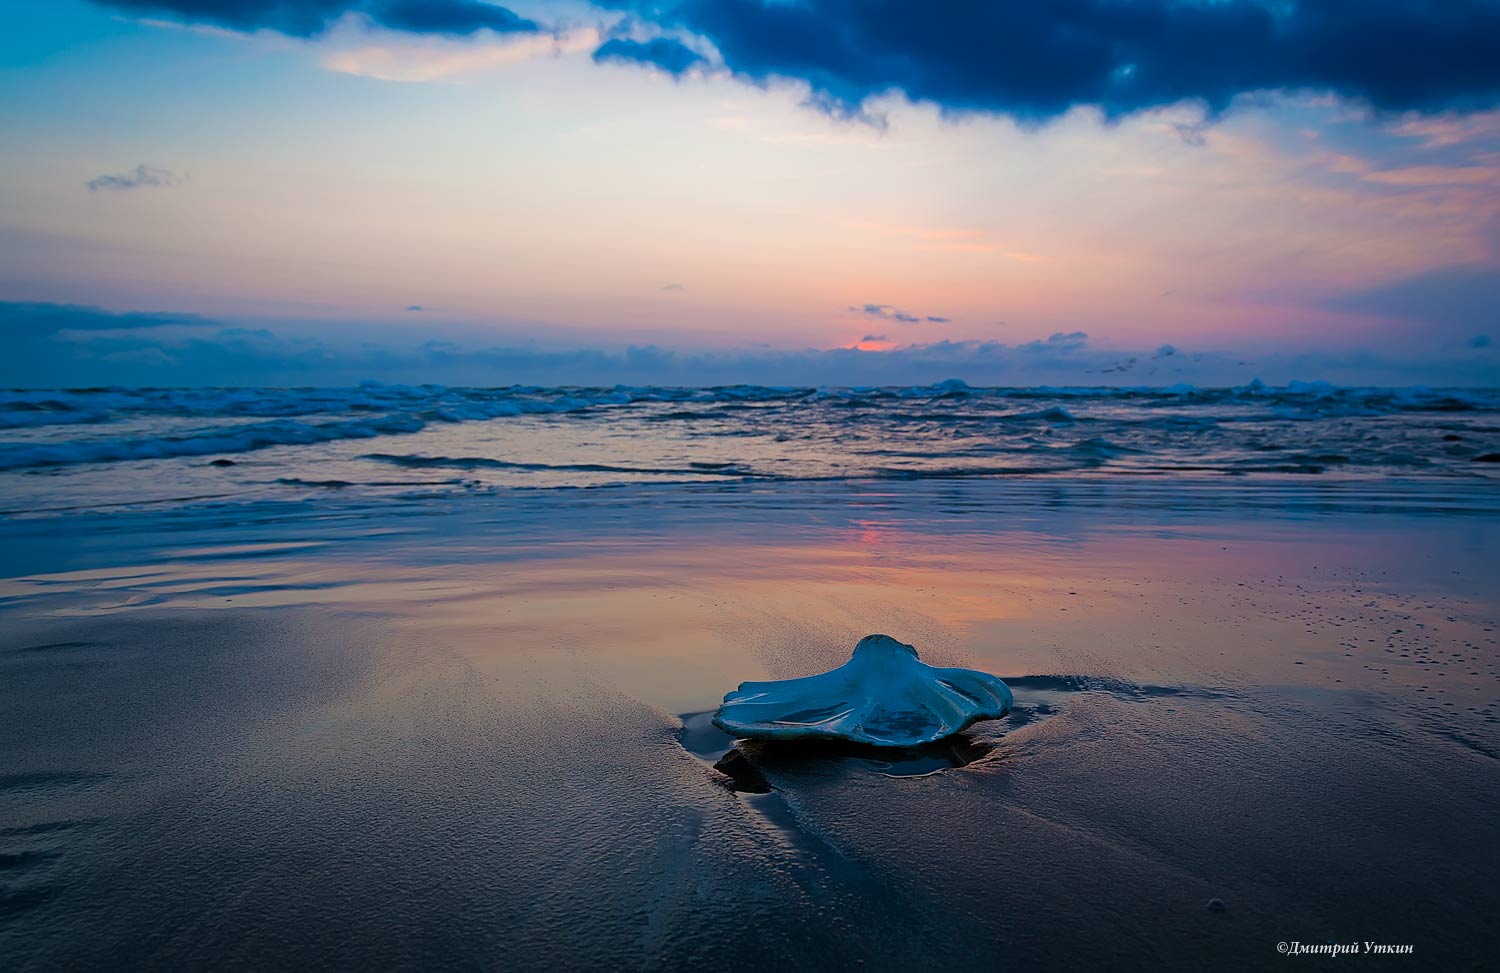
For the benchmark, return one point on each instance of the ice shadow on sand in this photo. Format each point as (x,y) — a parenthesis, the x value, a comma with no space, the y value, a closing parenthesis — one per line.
(750,766)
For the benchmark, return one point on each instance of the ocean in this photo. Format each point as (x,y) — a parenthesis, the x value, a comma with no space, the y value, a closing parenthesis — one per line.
(66,449)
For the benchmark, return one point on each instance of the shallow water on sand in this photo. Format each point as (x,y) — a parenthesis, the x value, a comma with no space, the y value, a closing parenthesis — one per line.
(448,731)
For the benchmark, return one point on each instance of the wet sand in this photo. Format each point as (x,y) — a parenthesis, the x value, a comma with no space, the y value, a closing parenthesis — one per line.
(451,733)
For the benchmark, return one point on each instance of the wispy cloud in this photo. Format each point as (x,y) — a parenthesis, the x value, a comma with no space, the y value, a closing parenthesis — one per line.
(887,312)
(427,59)
(309,18)
(1441,131)
(1436,176)
(142,176)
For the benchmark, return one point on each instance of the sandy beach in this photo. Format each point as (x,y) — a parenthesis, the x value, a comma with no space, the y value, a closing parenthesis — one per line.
(702,486)
(451,733)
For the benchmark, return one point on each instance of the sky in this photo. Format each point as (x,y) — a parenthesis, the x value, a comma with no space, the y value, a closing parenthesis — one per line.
(688,192)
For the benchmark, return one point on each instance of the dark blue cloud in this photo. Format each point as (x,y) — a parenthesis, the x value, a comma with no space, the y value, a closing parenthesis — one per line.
(447,16)
(306,18)
(50,345)
(1057,343)
(19,319)
(669,55)
(1034,61)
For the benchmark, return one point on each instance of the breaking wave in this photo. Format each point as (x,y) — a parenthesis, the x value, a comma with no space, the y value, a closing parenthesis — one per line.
(213,441)
(456,438)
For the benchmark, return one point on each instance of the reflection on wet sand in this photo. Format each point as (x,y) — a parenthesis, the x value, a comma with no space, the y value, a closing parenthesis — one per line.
(263,729)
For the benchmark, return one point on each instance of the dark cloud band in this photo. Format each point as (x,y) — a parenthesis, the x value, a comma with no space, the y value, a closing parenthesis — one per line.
(1037,60)
(1031,61)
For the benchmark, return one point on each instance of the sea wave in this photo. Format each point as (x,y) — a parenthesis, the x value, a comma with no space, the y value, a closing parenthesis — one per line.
(463,403)
(527,435)
(234,440)
(487,463)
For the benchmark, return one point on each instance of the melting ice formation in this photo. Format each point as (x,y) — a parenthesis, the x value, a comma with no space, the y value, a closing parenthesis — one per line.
(884,696)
